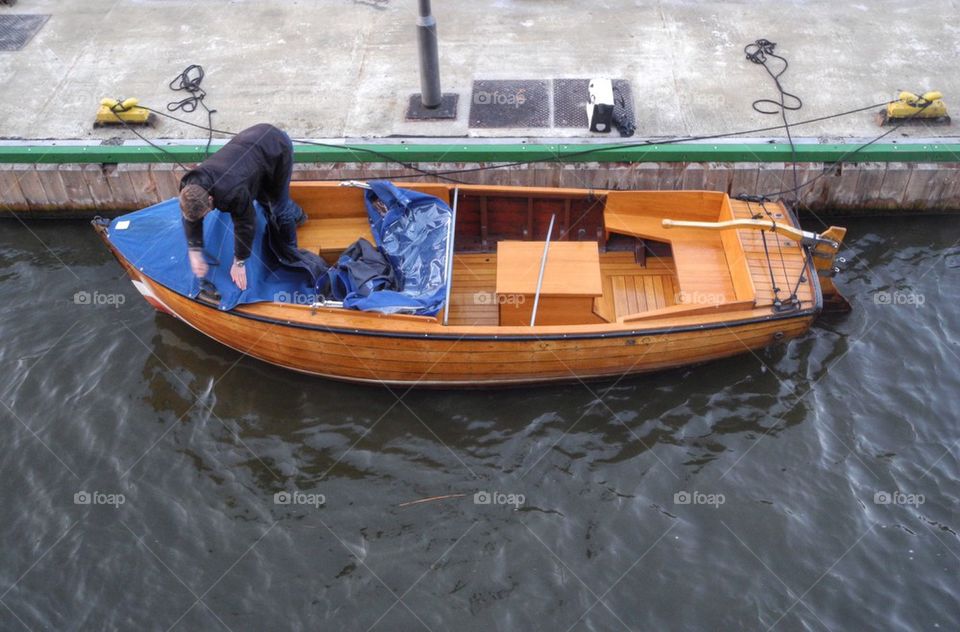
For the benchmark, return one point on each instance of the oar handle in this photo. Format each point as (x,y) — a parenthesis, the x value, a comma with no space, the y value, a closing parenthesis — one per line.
(747,224)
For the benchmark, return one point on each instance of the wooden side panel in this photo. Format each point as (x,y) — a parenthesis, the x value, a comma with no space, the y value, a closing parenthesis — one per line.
(687,205)
(332,236)
(467,362)
(330,200)
(327,200)
(552,310)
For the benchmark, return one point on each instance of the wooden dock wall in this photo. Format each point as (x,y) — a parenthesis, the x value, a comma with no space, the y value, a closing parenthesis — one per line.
(84,190)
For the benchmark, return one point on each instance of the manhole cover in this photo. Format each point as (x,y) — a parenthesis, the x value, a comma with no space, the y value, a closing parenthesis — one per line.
(510,103)
(570,100)
(17,30)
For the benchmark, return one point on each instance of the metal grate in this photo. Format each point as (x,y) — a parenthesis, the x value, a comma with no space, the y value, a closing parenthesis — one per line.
(510,103)
(17,30)
(570,100)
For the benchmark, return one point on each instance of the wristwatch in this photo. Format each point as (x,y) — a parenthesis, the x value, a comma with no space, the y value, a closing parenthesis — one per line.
(240,262)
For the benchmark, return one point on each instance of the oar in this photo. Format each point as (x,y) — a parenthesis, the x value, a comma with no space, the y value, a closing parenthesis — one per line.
(748,224)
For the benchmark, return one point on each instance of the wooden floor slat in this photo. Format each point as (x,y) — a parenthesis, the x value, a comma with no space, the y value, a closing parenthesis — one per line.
(793,257)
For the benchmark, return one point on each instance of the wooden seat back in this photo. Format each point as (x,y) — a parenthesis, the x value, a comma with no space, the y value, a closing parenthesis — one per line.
(711,266)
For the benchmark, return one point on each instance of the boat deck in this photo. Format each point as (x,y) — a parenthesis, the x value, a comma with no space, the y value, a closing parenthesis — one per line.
(704,268)
(793,260)
(627,287)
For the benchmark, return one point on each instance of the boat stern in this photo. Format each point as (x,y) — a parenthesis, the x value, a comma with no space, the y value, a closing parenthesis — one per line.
(825,262)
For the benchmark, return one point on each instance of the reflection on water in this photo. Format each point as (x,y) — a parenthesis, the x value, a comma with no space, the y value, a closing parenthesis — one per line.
(808,486)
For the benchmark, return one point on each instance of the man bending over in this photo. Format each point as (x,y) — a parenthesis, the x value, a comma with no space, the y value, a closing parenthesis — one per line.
(255,165)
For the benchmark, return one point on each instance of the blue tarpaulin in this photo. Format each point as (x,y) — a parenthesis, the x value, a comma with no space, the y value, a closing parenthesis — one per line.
(411,230)
(411,234)
(153,241)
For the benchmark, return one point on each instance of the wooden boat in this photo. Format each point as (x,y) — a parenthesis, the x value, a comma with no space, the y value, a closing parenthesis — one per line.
(634,281)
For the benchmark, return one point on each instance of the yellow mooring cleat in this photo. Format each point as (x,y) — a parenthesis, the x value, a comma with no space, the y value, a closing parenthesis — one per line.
(928,108)
(120,111)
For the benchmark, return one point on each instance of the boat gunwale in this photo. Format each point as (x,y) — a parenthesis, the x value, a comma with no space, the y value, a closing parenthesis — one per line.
(809,265)
(600,335)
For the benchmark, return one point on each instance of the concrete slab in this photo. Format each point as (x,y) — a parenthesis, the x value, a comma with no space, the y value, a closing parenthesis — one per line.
(341,68)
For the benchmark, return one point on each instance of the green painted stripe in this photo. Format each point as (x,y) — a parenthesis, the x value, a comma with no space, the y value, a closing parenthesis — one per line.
(487,153)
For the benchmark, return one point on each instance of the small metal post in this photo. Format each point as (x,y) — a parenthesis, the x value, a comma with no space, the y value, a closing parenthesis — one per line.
(430,93)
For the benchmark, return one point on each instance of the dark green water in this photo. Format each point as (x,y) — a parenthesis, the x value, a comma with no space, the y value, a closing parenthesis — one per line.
(822,474)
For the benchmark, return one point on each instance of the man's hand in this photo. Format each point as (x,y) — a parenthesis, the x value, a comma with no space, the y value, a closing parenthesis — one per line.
(197,263)
(239,274)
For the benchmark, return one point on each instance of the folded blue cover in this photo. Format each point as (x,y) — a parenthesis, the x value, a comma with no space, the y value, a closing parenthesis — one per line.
(412,234)
(152,240)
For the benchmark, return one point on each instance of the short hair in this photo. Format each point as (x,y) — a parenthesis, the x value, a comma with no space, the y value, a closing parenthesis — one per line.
(194,202)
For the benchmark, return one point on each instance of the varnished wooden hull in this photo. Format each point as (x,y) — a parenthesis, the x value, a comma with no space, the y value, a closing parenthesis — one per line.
(420,351)
(463,360)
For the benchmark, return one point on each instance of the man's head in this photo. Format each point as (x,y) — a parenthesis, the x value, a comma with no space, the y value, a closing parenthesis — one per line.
(195,202)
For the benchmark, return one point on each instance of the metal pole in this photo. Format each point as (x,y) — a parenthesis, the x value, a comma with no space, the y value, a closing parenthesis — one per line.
(543,266)
(430,94)
(450,237)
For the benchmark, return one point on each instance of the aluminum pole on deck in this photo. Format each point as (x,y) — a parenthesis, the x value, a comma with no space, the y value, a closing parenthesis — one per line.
(543,267)
(451,235)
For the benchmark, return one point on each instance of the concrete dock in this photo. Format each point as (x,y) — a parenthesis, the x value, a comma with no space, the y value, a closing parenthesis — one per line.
(344,70)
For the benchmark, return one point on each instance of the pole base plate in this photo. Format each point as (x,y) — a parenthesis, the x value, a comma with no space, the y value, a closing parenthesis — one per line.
(446,110)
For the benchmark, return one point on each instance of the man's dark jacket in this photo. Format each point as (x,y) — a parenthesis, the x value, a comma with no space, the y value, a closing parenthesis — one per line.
(254,165)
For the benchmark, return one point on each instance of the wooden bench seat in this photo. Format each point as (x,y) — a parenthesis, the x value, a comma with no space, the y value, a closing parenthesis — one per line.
(710,266)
